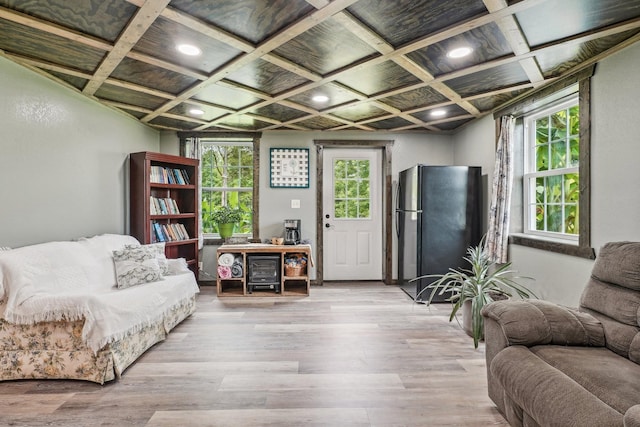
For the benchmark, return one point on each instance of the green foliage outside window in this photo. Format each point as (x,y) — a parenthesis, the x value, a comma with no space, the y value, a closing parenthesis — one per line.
(227,180)
(351,192)
(557,147)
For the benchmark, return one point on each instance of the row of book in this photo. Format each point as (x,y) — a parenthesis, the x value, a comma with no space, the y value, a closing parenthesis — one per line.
(163,206)
(172,232)
(164,175)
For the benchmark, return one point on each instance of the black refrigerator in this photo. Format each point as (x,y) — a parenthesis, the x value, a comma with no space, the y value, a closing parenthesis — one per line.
(438,216)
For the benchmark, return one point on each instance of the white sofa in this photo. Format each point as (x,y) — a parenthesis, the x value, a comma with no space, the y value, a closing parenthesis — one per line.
(69,311)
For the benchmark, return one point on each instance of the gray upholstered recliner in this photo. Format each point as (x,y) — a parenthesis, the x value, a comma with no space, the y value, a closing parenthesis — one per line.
(549,365)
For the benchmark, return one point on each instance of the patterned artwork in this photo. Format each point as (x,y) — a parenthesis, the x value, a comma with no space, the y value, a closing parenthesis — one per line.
(290,167)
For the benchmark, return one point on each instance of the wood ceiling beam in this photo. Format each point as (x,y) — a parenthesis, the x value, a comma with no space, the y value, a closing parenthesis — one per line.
(44,65)
(167,65)
(142,20)
(516,39)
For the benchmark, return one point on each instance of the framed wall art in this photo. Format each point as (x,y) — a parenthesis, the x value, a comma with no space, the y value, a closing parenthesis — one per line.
(289,168)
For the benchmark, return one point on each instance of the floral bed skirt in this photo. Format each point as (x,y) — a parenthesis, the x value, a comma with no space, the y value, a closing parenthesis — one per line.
(55,350)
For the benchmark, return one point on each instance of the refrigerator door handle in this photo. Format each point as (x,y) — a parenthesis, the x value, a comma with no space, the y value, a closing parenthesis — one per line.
(397,219)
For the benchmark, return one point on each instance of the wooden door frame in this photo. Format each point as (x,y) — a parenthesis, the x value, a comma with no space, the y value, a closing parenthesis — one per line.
(386,193)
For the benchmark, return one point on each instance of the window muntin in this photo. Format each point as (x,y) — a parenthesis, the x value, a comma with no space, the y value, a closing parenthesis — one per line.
(551,178)
(227,180)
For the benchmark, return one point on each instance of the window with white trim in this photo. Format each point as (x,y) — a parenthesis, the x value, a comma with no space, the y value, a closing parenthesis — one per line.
(227,180)
(551,185)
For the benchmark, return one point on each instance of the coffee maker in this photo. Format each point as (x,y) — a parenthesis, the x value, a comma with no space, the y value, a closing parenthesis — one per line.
(291,231)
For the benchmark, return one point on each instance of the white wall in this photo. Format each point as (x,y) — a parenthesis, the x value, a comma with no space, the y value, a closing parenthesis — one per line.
(63,161)
(474,146)
(615,103)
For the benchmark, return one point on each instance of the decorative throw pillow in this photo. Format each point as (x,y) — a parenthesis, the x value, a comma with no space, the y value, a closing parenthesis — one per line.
(136,265)
(157,249)
(178,266)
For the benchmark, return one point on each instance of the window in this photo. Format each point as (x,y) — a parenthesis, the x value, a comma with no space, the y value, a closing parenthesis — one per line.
(351,189)
(551,177)
(227,180)
(550,209)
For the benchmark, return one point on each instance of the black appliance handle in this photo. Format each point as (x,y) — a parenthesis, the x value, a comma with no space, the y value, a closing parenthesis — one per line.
(397,218)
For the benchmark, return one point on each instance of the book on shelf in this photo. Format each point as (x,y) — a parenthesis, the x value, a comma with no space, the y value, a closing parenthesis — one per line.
(170,232)
(163,206)
(159,233)
(166,175)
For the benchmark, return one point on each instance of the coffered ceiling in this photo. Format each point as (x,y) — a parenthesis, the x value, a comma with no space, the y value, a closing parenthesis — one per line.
(382,64)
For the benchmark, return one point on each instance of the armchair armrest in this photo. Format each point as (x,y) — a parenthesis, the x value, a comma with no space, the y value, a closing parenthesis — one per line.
(529,323)
(632,417)
(536,322)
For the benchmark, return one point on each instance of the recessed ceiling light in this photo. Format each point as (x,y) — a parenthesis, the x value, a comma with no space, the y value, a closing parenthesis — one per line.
(189,49)
(438,113)
(196,111)
(320,98)
(459,52)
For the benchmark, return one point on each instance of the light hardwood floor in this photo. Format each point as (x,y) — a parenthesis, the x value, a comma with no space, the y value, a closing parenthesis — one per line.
(357,354)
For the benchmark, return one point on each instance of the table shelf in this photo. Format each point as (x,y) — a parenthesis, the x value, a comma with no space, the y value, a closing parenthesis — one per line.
(288,285)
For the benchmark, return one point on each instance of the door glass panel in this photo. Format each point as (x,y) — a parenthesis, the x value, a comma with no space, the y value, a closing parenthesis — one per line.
(351,190)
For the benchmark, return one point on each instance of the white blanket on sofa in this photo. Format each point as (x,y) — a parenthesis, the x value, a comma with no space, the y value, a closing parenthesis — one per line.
(75,280)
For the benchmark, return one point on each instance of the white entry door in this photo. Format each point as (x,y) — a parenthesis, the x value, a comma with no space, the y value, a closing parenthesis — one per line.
(352,214)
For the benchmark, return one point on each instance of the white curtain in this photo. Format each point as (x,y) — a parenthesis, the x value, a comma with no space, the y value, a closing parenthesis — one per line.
(192,147)
(498,233)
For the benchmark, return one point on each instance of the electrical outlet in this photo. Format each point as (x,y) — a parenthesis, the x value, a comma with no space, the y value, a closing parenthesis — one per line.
(295,204)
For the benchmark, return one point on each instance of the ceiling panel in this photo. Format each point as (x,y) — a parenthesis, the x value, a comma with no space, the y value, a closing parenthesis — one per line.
(231,97)
(337,95)
(359,112)
(415,98)
(488,43)
(400,21)
(50,48)
(557,20)
(143,74)
(242,122)
(170,123)
(489,80)
(162,38)
(392,123)
(449,110)
(378,78)
(104,19)
(248,19)
(278,112)
(208,112)
(555,61)
(121,95)
(449,126)
(319,123)
(266,77)
(488,103)
(326,47)
(76,82)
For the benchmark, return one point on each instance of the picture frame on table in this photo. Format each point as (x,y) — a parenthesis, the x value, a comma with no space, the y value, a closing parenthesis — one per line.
(289,168)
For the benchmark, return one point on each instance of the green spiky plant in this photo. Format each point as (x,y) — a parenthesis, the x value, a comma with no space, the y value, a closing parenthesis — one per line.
(485,282)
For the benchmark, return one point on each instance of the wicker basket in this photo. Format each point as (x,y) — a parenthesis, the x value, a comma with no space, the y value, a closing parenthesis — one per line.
(293,271)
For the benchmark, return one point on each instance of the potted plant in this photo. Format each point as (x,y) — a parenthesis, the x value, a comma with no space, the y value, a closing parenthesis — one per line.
(226,218)
(471,289)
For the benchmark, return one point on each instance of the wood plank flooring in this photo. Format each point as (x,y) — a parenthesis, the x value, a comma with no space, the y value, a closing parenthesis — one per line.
(354,354)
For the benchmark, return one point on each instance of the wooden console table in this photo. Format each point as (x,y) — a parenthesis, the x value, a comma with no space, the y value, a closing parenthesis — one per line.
(289,285)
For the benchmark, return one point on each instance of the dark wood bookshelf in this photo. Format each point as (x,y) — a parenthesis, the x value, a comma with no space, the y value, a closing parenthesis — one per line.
(185,195)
